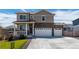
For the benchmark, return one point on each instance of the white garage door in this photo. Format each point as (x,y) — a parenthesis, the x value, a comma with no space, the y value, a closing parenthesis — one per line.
(58,32)
(43,32)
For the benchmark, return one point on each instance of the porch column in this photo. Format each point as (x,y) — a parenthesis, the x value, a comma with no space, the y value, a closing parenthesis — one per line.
(14,30)
(33,29)
(26,29)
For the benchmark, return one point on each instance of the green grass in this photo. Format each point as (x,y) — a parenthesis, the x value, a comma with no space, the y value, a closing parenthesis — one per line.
(17,44)
(20,43)
(4,45)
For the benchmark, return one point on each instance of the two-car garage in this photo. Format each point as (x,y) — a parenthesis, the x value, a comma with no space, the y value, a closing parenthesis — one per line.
(48,32)
(43,32)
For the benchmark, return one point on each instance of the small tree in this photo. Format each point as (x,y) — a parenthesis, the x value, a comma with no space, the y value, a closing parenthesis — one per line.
(11,38)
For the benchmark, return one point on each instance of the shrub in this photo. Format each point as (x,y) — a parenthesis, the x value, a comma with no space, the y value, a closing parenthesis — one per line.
(22,37)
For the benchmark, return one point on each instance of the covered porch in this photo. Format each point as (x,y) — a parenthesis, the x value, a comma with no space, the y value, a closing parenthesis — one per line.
(24,28)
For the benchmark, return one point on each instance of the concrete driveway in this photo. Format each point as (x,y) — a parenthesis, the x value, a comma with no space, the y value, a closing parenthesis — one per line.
(54,43)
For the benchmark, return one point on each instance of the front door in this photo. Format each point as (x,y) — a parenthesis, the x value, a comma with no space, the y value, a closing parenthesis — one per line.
(30,29)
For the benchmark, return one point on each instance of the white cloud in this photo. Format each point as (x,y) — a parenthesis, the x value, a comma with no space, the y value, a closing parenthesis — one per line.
(66,16)
(61,16)
(7,19)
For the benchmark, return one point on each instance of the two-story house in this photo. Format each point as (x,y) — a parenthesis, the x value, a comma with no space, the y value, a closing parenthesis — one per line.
(39,24)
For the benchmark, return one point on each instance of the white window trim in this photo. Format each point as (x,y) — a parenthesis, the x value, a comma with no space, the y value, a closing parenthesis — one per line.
(24,19)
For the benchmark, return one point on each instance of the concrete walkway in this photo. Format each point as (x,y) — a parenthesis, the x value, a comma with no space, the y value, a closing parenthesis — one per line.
(54,43)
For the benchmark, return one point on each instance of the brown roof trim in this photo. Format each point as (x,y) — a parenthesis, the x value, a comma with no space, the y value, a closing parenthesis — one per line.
(18,22)
(45,11)
(23,13)
(44,25)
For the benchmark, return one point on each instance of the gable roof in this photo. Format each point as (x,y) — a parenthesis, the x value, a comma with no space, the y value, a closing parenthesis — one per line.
(44,10)
(76,19)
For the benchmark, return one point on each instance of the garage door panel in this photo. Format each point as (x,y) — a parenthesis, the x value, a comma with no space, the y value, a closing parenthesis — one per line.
(43,32)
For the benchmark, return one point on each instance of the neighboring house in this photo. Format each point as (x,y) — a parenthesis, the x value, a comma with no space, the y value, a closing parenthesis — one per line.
(39,24)
(68,30)
(72,29)
(3,34)
(76,27)
(76,22)
(10,29)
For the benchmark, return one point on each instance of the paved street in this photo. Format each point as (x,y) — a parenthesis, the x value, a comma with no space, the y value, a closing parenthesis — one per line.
(54,43)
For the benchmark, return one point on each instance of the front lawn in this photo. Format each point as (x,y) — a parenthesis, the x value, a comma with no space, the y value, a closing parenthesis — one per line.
(17,44)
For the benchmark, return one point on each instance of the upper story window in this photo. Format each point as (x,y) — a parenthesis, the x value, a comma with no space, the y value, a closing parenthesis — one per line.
(43,17)
(22,16)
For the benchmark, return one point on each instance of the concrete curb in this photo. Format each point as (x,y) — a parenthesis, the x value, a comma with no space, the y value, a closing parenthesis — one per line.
(26,45)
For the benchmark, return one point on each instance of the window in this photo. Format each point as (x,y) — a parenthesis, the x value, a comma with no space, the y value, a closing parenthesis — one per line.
(43,17)
(22,27)
(22,16)
(65,29)
(68,29)
(31,17)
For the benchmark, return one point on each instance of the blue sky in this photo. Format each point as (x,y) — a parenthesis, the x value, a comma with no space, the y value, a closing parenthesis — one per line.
(7,16)
(13,11)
